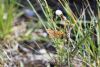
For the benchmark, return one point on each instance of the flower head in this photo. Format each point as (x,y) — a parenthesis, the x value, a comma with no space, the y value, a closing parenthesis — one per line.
(58,12)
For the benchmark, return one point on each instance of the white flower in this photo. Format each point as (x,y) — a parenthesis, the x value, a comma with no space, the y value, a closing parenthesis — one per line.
(58,12)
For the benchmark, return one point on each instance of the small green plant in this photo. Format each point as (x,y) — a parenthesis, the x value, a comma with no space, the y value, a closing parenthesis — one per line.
(6,18)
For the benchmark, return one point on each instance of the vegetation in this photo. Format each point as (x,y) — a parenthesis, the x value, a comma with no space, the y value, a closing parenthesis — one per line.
(84,46)
(77,41)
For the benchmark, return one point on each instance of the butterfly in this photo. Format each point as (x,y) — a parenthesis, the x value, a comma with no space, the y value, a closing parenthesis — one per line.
(55,33)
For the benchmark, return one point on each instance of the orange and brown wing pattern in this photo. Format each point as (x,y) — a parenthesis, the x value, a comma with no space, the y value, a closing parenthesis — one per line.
(55,33)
